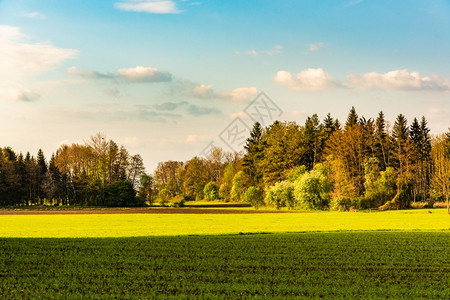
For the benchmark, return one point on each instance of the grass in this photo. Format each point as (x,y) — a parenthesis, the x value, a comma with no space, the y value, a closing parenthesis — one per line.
(132,225)
(326,265)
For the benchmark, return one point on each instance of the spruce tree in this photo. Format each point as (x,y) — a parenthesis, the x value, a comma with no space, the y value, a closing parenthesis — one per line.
(352,118)
(254,153)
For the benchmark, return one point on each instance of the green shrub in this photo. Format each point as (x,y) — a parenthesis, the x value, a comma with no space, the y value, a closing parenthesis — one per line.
(177,201)
(164,197)
(254,196)
(312,189)
(211,191)
(281,195)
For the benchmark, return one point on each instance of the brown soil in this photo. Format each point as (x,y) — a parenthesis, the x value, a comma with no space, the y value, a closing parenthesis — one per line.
(140,210)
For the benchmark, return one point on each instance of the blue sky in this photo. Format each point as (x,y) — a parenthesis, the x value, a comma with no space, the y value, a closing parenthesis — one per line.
(165,78)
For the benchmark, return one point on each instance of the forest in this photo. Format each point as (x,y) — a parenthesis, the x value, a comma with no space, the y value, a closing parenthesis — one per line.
(364,163)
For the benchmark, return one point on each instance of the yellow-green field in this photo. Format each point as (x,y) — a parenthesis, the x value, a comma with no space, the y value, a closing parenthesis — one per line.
(129,225)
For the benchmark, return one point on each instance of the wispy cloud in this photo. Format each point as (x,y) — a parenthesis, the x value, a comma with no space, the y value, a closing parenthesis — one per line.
(196,138)
(315,47)
(271,52)
(169,106)
(89,74)
(397,80)
(196,110)
(202,91)
(276,50)
(21,60)
(34,15)
(148,6)
(136,74)
(184,106)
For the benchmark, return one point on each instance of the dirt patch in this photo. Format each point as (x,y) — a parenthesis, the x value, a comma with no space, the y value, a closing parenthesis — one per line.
(140,210)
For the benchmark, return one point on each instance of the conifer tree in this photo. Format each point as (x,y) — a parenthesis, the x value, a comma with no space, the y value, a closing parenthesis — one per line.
(352,118)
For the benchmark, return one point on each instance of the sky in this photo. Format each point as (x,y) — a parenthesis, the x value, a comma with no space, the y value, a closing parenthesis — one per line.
(169,79)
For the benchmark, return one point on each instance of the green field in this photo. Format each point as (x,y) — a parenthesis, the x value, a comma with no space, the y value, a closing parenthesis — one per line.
(340,264)
(394,254)
(128,225)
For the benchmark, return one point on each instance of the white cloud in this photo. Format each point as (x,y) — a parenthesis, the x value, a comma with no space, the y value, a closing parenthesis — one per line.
(34,15)
(136,74)
(144,74)
(202,91)
(18,93)
(148,6)
(396,80)
(271,52)
(195,138)
(275,50)
(89,74)
(21,60)
(315,47)
(239,94)
(306,80)
(318,80)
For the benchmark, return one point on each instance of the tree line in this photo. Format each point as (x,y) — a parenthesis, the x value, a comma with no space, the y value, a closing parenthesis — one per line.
(97,173)
(364,163)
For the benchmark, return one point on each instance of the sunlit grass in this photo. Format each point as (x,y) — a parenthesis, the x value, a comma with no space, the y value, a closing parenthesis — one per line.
(127,225)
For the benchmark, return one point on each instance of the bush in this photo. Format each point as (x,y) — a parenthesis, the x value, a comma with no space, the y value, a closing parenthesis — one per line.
(312,189)
(177,201)
(164,196)
(440,205)
(341,204)
(254,196)
(211,191)
(419,205)
(281,195)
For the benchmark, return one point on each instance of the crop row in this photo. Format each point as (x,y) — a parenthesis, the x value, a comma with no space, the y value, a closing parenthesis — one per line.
(340,264)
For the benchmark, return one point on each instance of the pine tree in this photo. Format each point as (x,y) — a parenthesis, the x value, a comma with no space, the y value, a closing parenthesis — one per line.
(352,118)
(330,125)
(314,141)
(42,165)
(254,153)
(425,143)
(381,141)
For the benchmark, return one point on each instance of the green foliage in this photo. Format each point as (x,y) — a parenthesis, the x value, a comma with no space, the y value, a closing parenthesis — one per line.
(352,118)
(254,154)
(254,196)
(164,197)
(211,191)
(312,190)
(227,181)
(297,173)
(195,178)
(238,187)
(283,151)
(281,195)
(121,193)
